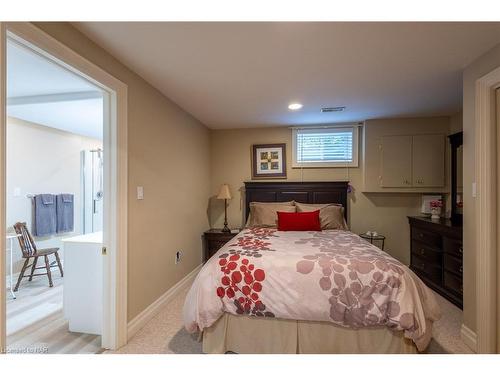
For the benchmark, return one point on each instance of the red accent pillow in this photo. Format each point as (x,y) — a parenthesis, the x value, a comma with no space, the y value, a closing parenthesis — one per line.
(299,221)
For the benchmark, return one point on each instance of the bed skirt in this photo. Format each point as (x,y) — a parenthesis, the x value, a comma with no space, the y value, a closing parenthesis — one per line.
(245,335)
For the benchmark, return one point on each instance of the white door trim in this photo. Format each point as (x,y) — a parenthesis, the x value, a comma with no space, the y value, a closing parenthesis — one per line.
(3,117)
(486,208)
(115,140)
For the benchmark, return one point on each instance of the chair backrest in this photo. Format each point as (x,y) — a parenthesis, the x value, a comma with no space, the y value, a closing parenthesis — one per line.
(26,242)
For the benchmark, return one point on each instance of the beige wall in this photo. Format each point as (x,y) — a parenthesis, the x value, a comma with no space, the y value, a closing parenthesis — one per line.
(42,160)
(169,155)
(456,122)
(480,67)
(384,212)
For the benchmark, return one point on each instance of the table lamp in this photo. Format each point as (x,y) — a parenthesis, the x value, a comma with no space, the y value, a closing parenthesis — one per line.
(225,194)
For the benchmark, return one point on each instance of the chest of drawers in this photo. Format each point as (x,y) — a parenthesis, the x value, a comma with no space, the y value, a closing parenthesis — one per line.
(436,256)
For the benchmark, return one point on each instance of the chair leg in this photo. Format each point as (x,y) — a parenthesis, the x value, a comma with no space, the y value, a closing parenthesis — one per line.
(59,263)
(33,269)
(21,274)
(49,274)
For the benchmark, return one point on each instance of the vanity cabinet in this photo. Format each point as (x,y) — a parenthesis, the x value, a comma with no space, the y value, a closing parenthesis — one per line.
(412,161)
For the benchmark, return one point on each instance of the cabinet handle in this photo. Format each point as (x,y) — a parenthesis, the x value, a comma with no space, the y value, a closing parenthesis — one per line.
(461,289)
(422,251)
(461,250)
(461,269)
(421,235)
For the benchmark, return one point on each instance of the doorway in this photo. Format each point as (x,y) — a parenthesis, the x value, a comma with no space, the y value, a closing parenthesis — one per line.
(106,179)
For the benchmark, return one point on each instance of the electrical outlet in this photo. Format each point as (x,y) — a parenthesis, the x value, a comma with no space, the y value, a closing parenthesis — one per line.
(178,257)
(140,192)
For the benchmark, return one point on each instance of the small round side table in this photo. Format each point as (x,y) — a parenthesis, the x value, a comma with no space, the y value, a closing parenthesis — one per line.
(371,238)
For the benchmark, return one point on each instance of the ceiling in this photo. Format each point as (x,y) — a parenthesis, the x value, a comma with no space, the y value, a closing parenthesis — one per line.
(43,92)
(233,75)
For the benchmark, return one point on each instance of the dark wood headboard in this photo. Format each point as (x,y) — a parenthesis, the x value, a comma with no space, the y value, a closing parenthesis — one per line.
(303,192)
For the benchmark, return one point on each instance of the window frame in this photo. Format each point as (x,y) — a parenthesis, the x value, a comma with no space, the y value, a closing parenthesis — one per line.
(341,164)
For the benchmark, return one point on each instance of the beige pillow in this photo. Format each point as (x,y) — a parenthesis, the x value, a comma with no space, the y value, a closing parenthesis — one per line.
(331,215)
(264,214)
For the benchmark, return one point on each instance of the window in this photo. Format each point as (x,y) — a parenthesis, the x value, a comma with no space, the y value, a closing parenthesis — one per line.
(325,147)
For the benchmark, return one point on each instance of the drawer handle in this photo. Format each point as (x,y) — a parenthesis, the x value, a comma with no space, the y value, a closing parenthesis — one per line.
(461,250)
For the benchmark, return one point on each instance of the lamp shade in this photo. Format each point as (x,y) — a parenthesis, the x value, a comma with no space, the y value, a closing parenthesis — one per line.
(224,192)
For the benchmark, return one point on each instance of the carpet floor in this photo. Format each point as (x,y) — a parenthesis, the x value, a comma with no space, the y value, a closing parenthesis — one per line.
(165,333)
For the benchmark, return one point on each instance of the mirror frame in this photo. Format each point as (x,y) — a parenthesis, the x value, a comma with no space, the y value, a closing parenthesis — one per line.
(456,140)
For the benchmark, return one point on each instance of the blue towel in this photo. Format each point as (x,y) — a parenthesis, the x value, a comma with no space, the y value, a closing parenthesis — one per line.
(45,215)
(65,213)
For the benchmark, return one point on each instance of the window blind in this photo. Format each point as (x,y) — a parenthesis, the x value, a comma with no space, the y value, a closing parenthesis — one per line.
(324,145)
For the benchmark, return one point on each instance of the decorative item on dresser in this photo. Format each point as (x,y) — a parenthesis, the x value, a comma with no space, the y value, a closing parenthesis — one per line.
(214,240)
(436,255)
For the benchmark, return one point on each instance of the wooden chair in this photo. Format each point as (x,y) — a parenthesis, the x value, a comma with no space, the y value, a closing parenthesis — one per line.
(30,251)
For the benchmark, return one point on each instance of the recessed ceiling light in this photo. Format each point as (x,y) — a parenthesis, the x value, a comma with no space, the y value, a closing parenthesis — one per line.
(295,106)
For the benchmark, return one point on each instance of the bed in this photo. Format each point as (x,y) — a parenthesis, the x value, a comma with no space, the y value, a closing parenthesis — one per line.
(330,291)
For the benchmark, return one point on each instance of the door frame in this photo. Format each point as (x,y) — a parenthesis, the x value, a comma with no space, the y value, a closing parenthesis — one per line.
(114,332)
(486,153)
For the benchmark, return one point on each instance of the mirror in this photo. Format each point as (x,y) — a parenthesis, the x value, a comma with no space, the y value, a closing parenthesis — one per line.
(456,141)
(459,202)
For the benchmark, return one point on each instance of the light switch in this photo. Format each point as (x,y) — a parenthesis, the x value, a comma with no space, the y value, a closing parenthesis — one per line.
(140,192)
(17,192)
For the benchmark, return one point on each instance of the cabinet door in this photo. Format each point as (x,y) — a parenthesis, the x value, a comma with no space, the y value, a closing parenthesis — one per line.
(428,160)
(396,161)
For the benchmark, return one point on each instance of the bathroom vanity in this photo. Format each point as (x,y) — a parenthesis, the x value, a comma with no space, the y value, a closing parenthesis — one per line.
(83,280)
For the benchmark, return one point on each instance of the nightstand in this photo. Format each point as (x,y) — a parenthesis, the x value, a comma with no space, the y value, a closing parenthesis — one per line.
(214,240)
(372,238)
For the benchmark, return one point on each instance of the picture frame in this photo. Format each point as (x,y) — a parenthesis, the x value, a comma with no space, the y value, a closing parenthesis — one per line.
(269,161)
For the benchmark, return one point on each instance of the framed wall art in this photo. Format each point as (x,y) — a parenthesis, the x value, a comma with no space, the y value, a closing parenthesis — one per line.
(269,161)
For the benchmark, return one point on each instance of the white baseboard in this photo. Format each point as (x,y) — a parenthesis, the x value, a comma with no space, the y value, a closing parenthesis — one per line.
(147,314)
(469,337)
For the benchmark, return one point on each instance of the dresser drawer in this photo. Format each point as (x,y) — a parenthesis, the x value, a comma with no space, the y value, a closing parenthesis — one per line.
(429,238)
(427,253)
(428,269)
(453,246)
(453,283)
(453,264)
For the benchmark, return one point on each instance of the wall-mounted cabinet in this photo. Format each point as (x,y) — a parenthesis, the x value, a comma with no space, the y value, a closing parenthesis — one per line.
(395,153)
(412,161)
(406,155)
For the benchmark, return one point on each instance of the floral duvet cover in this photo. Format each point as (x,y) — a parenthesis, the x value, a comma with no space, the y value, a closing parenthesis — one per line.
(332,276)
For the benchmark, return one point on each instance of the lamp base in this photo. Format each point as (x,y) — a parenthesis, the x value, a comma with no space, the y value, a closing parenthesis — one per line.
(226,228)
